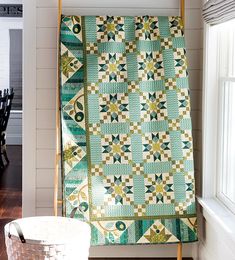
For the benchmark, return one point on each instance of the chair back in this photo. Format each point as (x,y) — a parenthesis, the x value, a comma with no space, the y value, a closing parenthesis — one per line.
(6,98)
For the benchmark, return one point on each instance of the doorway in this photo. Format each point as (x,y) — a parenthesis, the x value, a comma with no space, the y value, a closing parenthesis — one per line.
(11,27)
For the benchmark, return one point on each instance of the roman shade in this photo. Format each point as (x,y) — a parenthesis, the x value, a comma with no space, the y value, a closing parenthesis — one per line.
(218,11)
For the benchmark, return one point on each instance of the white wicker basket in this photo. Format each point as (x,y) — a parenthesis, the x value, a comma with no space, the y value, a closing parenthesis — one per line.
(44,238)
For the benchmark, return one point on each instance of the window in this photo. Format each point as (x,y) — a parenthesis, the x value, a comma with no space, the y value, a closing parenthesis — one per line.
(15,61)
(11,58)
(221,81)
(4,57)
(226,141)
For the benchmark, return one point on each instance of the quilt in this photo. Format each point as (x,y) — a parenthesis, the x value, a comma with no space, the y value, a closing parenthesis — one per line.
(127,151)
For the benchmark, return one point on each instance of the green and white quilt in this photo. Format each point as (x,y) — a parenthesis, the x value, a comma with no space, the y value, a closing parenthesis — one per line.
(127,153)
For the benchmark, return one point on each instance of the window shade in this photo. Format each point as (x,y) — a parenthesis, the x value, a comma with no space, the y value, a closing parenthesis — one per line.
(16,67)
(218,11)
(4,58)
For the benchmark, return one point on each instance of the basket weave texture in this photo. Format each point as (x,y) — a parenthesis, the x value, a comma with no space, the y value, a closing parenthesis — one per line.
(48,238)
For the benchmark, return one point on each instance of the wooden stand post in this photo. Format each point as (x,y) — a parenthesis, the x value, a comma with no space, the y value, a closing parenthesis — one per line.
(179,251)
(182,11)
(182,14)
(57,156)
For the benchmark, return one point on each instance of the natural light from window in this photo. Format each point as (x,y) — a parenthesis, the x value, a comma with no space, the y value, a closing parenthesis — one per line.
(226,129)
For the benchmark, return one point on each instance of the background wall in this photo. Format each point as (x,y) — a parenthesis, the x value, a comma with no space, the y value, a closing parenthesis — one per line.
(44,36)
(215,243)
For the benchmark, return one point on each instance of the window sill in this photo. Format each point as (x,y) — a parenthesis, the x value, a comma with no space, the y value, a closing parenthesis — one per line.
(220,218)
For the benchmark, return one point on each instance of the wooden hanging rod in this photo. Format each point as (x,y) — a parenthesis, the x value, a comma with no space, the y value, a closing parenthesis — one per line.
(182,11)
(57,156)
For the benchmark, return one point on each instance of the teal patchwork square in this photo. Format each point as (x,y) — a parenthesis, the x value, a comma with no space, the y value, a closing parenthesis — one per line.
(149,46)
(90,22)
(182,82)
(152,86)
(178,42)
(179,189)
(117,128)
(113,87)
(117,169)
(159,126)
(132,74)
(93,109)
(119,210)
(137,151)
(134,108)
(111,47)
(164,27)
(157,167)
(129,28)
(172,104)
(92,68)
(160,209)
(97,190)
(139,191)
(168,60)
(176,145)
(95,149)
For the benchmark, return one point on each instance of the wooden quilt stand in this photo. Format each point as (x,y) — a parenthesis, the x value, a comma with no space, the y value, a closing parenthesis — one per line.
(58,153)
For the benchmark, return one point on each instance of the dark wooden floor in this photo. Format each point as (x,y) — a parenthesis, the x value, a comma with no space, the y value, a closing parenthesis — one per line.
(10,192)
(138,258)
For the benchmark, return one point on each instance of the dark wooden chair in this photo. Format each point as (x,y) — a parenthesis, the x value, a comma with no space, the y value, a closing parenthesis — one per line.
(6,98)
(3,104)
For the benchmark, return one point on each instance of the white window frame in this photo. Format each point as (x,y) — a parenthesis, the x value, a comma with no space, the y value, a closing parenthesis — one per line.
(220,162)
(212,121)
(210,116)
(214,211)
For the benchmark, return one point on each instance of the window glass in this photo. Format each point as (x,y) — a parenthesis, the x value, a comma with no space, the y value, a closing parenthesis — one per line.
(227,141)
(226,112)
(15,61)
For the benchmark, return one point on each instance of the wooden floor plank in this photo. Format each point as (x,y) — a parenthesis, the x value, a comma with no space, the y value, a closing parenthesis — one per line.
(139,258)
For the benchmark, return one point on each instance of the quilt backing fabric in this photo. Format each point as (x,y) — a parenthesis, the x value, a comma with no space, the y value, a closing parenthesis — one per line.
(127,153)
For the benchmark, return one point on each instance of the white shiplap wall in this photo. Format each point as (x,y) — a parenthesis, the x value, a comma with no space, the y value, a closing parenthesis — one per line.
(46,23)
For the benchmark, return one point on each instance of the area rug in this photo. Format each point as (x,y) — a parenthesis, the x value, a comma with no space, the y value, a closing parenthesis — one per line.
(127,152)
